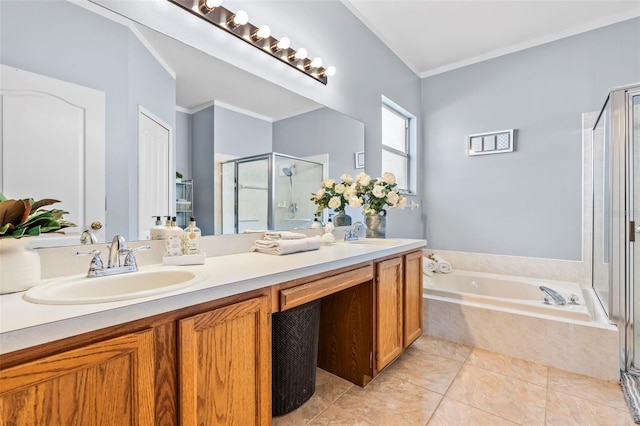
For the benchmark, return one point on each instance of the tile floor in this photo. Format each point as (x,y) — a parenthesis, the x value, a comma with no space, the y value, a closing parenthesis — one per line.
(437,382)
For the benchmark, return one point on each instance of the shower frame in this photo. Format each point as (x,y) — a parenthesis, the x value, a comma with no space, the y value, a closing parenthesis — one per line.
(271,176)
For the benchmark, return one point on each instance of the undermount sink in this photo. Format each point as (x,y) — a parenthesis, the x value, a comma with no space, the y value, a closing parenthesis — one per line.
(80,290)
(373,242)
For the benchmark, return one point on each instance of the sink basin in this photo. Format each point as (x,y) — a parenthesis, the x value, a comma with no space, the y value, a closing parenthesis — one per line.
(373,242)
(80,290)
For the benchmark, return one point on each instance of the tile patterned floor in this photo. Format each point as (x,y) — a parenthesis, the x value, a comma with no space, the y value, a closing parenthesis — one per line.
(441,383)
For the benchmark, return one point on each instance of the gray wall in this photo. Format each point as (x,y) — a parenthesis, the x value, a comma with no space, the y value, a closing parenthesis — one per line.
(184,125)
(241,135)
(366,68)
(67,42)
(203,168)
(526,203)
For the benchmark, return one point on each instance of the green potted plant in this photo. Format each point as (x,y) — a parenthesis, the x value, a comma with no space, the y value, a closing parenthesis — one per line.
(19,264)
(179,177)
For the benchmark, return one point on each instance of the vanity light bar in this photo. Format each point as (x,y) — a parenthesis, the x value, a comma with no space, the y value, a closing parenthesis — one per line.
(259,37)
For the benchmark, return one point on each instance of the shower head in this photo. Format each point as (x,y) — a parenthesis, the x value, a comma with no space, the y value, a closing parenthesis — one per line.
(287,171)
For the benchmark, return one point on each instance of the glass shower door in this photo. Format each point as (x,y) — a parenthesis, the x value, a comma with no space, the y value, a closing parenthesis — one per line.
(634,225)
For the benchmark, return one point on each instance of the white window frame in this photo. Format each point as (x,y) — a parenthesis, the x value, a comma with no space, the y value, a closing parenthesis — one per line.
(410,144)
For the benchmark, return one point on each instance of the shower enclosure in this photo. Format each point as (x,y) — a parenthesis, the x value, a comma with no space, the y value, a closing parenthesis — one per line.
(269,191)
(616,261)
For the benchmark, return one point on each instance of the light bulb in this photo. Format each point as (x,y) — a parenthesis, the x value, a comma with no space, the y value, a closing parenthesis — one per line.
(281,44)
(300,53)
(330,71)
(264,31)
(240,18)
(212,4)
(316,63)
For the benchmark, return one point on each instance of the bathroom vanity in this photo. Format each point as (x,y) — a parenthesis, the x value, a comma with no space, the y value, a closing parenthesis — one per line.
(203,355)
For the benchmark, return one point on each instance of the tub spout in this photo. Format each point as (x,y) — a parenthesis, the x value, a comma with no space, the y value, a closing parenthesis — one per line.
(557,298)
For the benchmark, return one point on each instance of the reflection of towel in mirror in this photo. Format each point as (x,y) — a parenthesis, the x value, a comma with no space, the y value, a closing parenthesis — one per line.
(286,246)
(442,265)
(428,265)
(283,235)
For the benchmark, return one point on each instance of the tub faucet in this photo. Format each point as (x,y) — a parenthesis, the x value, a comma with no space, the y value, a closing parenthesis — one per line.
(557,298)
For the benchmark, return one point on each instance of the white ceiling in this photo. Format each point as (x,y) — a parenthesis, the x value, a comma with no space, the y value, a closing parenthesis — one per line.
(435,36)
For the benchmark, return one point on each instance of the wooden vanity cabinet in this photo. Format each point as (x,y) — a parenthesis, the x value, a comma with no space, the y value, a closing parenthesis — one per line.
(105,383)
(207,364)
(225,365)
(398,306)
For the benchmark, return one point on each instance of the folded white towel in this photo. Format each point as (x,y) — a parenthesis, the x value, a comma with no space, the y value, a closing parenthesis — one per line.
(428,265)
(287,246)
(283,235)
(443,266)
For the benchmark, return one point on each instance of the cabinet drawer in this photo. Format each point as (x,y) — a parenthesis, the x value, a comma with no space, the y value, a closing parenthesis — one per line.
(299,295)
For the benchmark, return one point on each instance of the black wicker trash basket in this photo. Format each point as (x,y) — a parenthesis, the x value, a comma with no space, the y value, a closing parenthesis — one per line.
(295,355)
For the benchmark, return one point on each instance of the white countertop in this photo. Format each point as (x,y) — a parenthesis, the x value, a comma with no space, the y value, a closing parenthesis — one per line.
(24,324)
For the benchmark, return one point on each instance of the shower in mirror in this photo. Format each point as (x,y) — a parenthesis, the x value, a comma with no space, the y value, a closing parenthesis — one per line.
(269,191)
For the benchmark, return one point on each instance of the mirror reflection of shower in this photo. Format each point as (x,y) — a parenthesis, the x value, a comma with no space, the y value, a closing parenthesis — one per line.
(267,192)
(293,207)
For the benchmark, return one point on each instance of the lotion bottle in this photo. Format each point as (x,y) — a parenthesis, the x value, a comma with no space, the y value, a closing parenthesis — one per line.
(173,239)
(191,238)
(158,231)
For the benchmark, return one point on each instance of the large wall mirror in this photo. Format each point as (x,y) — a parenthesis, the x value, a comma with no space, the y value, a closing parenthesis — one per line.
(200,112)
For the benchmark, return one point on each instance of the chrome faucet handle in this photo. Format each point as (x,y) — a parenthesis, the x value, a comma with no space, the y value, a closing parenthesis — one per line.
(96,262)
(130,259)
(546,300)
(573,299)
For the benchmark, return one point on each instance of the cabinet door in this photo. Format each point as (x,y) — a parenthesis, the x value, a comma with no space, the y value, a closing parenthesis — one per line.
(389,312)
(225,365)
(106,383)
(412,297)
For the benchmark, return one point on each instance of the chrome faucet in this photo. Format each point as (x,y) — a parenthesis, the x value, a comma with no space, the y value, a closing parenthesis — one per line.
(557,298)
(353,233)
(117,249)
(88,237)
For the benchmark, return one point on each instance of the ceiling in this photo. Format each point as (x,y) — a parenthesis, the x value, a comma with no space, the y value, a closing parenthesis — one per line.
(436,36)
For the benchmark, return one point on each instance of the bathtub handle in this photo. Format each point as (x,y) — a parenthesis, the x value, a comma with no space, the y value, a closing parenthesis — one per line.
(573,299)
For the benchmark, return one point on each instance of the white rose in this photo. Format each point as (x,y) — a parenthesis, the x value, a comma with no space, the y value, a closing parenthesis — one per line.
(318,195)
(328,183)
(335,202)
(393,198)
(402,203)
(340,188)
(378,191)
(349,192)
(346,178)
(389,178)
(355,202)
(363,179)
(369,211)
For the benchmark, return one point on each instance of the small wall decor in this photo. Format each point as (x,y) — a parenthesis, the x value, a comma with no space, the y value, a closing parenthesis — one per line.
(491,142)
(359,160)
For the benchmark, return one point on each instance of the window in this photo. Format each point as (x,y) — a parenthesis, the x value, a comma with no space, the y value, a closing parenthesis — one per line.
(398,144)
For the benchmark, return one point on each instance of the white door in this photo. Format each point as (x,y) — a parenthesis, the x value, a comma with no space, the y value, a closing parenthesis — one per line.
(52,145)
(155,183)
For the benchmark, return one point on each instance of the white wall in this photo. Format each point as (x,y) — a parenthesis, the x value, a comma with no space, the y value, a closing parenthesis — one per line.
(526,203)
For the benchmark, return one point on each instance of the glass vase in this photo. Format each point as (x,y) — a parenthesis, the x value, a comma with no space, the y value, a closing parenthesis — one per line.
(376,225)
(342,219)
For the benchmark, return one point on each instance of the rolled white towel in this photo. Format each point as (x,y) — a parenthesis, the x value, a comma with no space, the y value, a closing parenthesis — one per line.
(428,265)
(283,235)
(442,265)
(287,246)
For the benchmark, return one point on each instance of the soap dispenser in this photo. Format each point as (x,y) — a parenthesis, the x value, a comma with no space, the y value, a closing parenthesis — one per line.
(173,239)
(191,238)
(316,223)
(328,228)
(158,231)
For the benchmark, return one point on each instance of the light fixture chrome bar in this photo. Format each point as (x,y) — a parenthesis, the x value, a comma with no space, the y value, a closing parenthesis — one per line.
(222,18)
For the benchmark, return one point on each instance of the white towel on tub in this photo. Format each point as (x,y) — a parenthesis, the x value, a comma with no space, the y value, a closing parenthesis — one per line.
(443,266)
(286,246)
(429,266)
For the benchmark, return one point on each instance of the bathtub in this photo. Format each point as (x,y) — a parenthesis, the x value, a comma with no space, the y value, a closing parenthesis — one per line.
(510,292)
(505,314)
